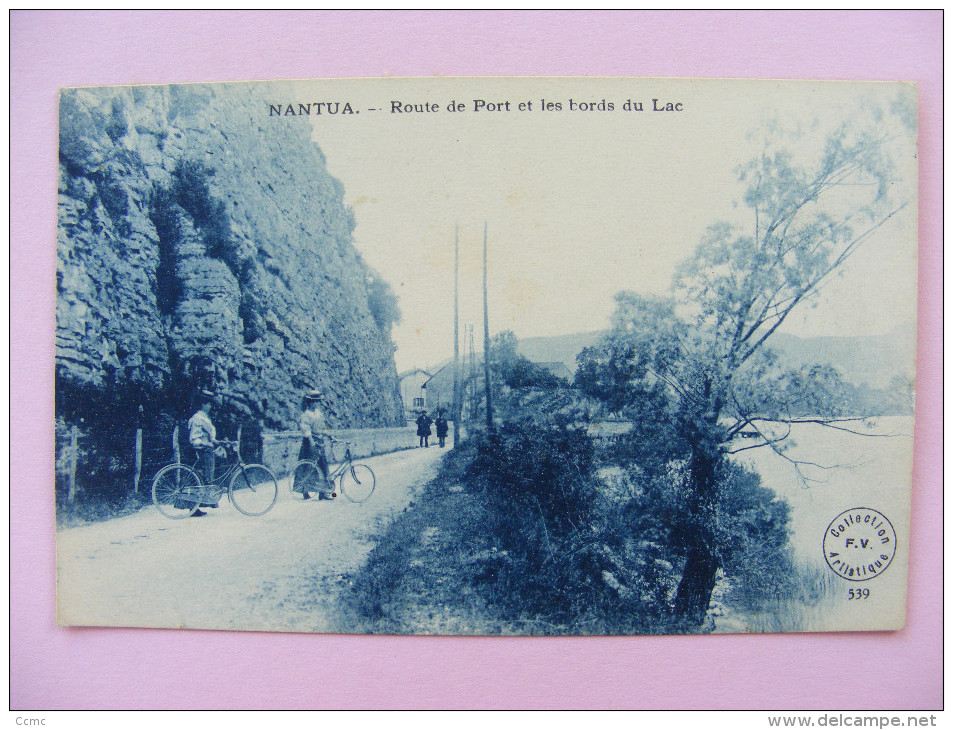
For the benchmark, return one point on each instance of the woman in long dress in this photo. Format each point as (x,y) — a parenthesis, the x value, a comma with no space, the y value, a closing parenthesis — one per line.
(314,432)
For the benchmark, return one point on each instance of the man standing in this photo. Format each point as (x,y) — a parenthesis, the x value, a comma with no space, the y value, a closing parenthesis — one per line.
(202,438)
(423,428)
(442,427)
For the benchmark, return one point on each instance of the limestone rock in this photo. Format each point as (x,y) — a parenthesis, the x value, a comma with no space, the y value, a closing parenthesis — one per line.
(197,250)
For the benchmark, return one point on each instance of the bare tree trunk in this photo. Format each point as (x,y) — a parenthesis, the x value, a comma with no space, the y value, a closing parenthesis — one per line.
(698,582)
(486,346)
(701,561)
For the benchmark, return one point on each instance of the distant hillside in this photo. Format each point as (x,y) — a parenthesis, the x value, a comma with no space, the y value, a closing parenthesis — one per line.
(870,359)
(562,348)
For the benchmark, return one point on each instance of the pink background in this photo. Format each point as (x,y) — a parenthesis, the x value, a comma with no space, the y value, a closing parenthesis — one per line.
(63,668)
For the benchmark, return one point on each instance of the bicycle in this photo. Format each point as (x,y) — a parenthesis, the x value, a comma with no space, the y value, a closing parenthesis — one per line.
(178,490)
(355,481)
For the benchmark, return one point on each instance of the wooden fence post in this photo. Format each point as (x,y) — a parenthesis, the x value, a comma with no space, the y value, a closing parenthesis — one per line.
(73,457)
(176,455)
(138,458)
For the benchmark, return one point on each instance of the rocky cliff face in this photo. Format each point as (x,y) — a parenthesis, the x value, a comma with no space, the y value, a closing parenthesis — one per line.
(200,247)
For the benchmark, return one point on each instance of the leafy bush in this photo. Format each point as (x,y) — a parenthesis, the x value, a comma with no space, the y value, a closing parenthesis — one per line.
(581,557)
(382,302)
(752,535)
(538,491)
(515,370)
(750,528)
(524,468)
(606,371)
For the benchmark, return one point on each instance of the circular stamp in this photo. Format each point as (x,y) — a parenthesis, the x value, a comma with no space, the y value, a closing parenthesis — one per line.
(859,544)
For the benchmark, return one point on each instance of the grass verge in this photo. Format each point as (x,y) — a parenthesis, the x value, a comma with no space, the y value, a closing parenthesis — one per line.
(425,574)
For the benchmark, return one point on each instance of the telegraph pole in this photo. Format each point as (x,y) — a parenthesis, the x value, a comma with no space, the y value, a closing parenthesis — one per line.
(456,334)
(474,394)
(486,346)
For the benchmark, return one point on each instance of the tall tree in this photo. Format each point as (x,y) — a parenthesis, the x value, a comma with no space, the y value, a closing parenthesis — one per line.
(706,345)
(515,370)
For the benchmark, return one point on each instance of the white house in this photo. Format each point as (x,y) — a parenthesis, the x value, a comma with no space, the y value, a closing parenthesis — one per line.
(412,391)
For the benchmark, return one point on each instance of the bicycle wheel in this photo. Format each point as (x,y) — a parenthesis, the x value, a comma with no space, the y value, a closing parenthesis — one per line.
(253,490)
(357,483)
(306,478)
(177,491)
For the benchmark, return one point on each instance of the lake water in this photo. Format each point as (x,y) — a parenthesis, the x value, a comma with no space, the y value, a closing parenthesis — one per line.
(874,471)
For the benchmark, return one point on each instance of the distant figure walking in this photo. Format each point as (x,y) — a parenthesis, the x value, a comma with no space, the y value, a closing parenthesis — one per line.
(314,431)
(202,438)
(441,424)
(423,428)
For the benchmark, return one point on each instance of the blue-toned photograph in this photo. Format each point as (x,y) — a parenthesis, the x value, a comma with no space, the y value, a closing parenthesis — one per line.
(486,356)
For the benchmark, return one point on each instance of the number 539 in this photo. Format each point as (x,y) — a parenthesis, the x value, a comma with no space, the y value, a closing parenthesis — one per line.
(858,594)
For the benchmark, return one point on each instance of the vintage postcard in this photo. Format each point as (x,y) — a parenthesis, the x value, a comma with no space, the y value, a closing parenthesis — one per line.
(486,356)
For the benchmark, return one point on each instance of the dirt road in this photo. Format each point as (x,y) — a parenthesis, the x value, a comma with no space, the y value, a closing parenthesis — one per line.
(280,571)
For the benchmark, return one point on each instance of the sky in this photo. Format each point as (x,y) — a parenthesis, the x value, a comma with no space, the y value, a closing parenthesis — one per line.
(578,203)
